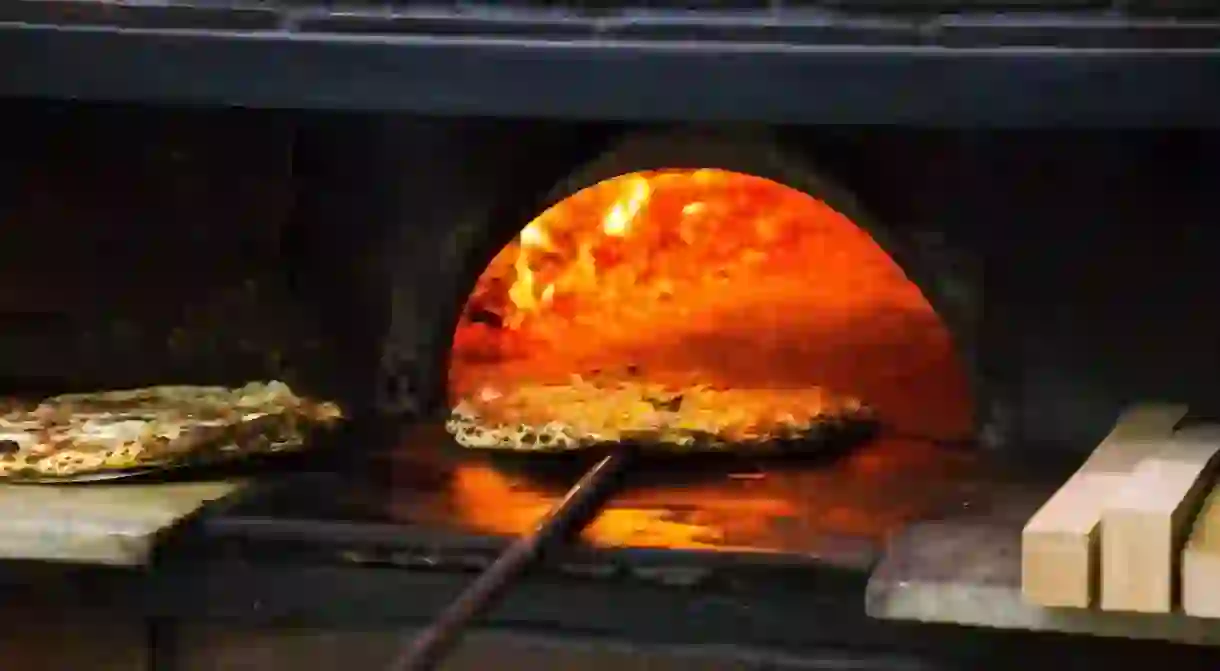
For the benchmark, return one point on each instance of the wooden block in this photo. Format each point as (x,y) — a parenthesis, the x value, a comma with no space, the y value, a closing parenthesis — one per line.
(1059,543)
(1200,590)
(1144,525)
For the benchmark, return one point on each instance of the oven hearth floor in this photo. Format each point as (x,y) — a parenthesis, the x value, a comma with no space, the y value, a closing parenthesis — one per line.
(426,504)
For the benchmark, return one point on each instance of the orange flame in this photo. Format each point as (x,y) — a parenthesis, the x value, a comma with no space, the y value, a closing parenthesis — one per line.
(710,276)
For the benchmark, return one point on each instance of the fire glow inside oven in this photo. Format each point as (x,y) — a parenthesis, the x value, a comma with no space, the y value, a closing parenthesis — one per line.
(990,224)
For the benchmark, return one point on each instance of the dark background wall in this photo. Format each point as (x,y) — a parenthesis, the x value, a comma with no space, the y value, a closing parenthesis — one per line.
(1098,252)
(137,245)
(144,245)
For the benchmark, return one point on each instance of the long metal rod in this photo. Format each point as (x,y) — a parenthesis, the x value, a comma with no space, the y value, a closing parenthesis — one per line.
(428,649)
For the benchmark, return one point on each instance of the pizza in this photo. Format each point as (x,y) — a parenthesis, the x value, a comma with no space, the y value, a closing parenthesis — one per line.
(80,436)
(558,417)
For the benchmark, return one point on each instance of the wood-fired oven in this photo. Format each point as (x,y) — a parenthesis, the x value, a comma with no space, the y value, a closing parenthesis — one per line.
(997,243)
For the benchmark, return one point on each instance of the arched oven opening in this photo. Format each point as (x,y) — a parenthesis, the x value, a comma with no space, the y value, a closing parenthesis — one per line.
(696,259)
(708,276)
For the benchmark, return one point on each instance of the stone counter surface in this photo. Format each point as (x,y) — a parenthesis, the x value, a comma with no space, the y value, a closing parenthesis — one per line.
(967,571)
(199,612)
(109,524)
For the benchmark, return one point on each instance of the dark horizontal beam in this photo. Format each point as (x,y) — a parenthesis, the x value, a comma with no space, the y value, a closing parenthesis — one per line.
(644,80)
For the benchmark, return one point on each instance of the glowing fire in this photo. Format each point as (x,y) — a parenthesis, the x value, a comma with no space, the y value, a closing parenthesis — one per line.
(711,276)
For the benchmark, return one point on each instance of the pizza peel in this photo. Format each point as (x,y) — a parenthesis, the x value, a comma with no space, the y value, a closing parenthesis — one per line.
(584,500)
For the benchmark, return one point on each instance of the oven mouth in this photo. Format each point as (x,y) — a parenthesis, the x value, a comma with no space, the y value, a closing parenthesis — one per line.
(706,278)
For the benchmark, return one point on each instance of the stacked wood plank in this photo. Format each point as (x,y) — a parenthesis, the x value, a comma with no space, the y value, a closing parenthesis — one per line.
(1137,527)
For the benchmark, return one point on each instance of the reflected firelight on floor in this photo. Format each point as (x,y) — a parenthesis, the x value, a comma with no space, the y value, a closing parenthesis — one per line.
(866,494)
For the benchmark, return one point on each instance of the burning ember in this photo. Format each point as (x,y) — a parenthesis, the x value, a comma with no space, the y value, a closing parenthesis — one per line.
(709,277)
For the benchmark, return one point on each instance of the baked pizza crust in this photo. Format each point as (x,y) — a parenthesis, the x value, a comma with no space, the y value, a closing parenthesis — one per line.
(561,417)
(82,436)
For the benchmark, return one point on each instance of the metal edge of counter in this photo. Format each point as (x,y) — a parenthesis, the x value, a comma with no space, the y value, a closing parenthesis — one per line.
(813,627)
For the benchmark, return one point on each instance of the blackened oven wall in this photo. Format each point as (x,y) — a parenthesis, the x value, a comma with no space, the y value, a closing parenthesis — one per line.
(1086,256)
(1098,255)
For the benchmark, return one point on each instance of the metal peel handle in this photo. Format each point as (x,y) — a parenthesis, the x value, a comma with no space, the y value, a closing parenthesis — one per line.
(427,650)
